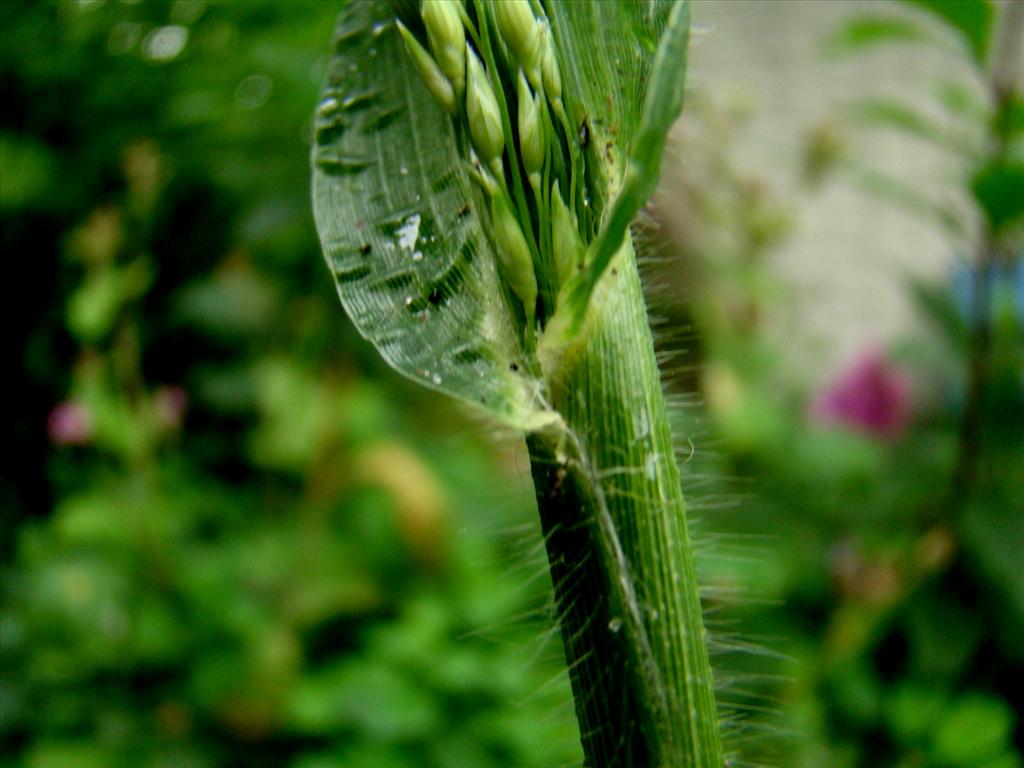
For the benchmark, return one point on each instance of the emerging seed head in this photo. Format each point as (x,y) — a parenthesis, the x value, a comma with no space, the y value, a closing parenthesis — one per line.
(566,240)
(482,111)
(432,75)
(521,32)
(531,131)
(515,264)
(447,40)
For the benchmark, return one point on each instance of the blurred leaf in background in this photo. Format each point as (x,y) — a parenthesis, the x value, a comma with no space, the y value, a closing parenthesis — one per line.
(870,530)
(230,537)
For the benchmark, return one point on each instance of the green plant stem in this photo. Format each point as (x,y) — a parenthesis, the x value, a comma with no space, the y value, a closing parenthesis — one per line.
(613,515)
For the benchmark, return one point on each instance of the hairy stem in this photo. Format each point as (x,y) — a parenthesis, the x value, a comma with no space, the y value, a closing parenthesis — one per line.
(437,222)
(621,559)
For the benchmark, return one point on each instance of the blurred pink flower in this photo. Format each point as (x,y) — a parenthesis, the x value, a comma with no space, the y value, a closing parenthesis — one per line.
(70,423)
(171,403)
(872,396)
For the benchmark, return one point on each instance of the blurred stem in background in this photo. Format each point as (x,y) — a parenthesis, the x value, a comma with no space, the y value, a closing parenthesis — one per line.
(992,250)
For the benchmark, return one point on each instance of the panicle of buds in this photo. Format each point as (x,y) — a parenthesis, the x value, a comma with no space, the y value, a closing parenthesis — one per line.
(483,114)
(531,131)
(456,76)
(431,74)
(447,40)
(520,30)
(566,240)
(515,263)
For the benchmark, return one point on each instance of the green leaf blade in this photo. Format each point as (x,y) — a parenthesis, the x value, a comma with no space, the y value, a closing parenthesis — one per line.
(395,211)
(663,95)
(606,50)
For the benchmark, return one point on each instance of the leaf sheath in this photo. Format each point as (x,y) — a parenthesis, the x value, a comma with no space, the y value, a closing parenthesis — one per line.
(628,599)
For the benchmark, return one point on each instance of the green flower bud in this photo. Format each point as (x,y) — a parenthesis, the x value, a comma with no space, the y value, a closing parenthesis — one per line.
(566,240)
(531,132)
(447,40)
(482,110)
(431,74)
(549,67)
(521,32)
(515,264)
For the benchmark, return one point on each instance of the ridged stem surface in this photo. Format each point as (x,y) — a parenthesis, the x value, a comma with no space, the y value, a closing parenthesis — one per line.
(622,563)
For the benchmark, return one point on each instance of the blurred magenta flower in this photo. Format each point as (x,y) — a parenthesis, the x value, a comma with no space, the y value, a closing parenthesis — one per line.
(872,395)
(70,423)
(171,403)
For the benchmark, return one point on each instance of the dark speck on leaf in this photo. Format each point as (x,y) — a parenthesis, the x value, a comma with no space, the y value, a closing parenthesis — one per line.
(364,250)
(434,297)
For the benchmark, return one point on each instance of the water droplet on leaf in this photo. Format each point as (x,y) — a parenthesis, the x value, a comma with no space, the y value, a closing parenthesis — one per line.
(409,233)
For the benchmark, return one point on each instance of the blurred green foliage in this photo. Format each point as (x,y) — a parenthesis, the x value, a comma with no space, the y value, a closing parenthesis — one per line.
(875,533)
(231,537)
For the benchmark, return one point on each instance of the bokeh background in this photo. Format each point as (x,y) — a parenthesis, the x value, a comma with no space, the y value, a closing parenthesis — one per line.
(230,536)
